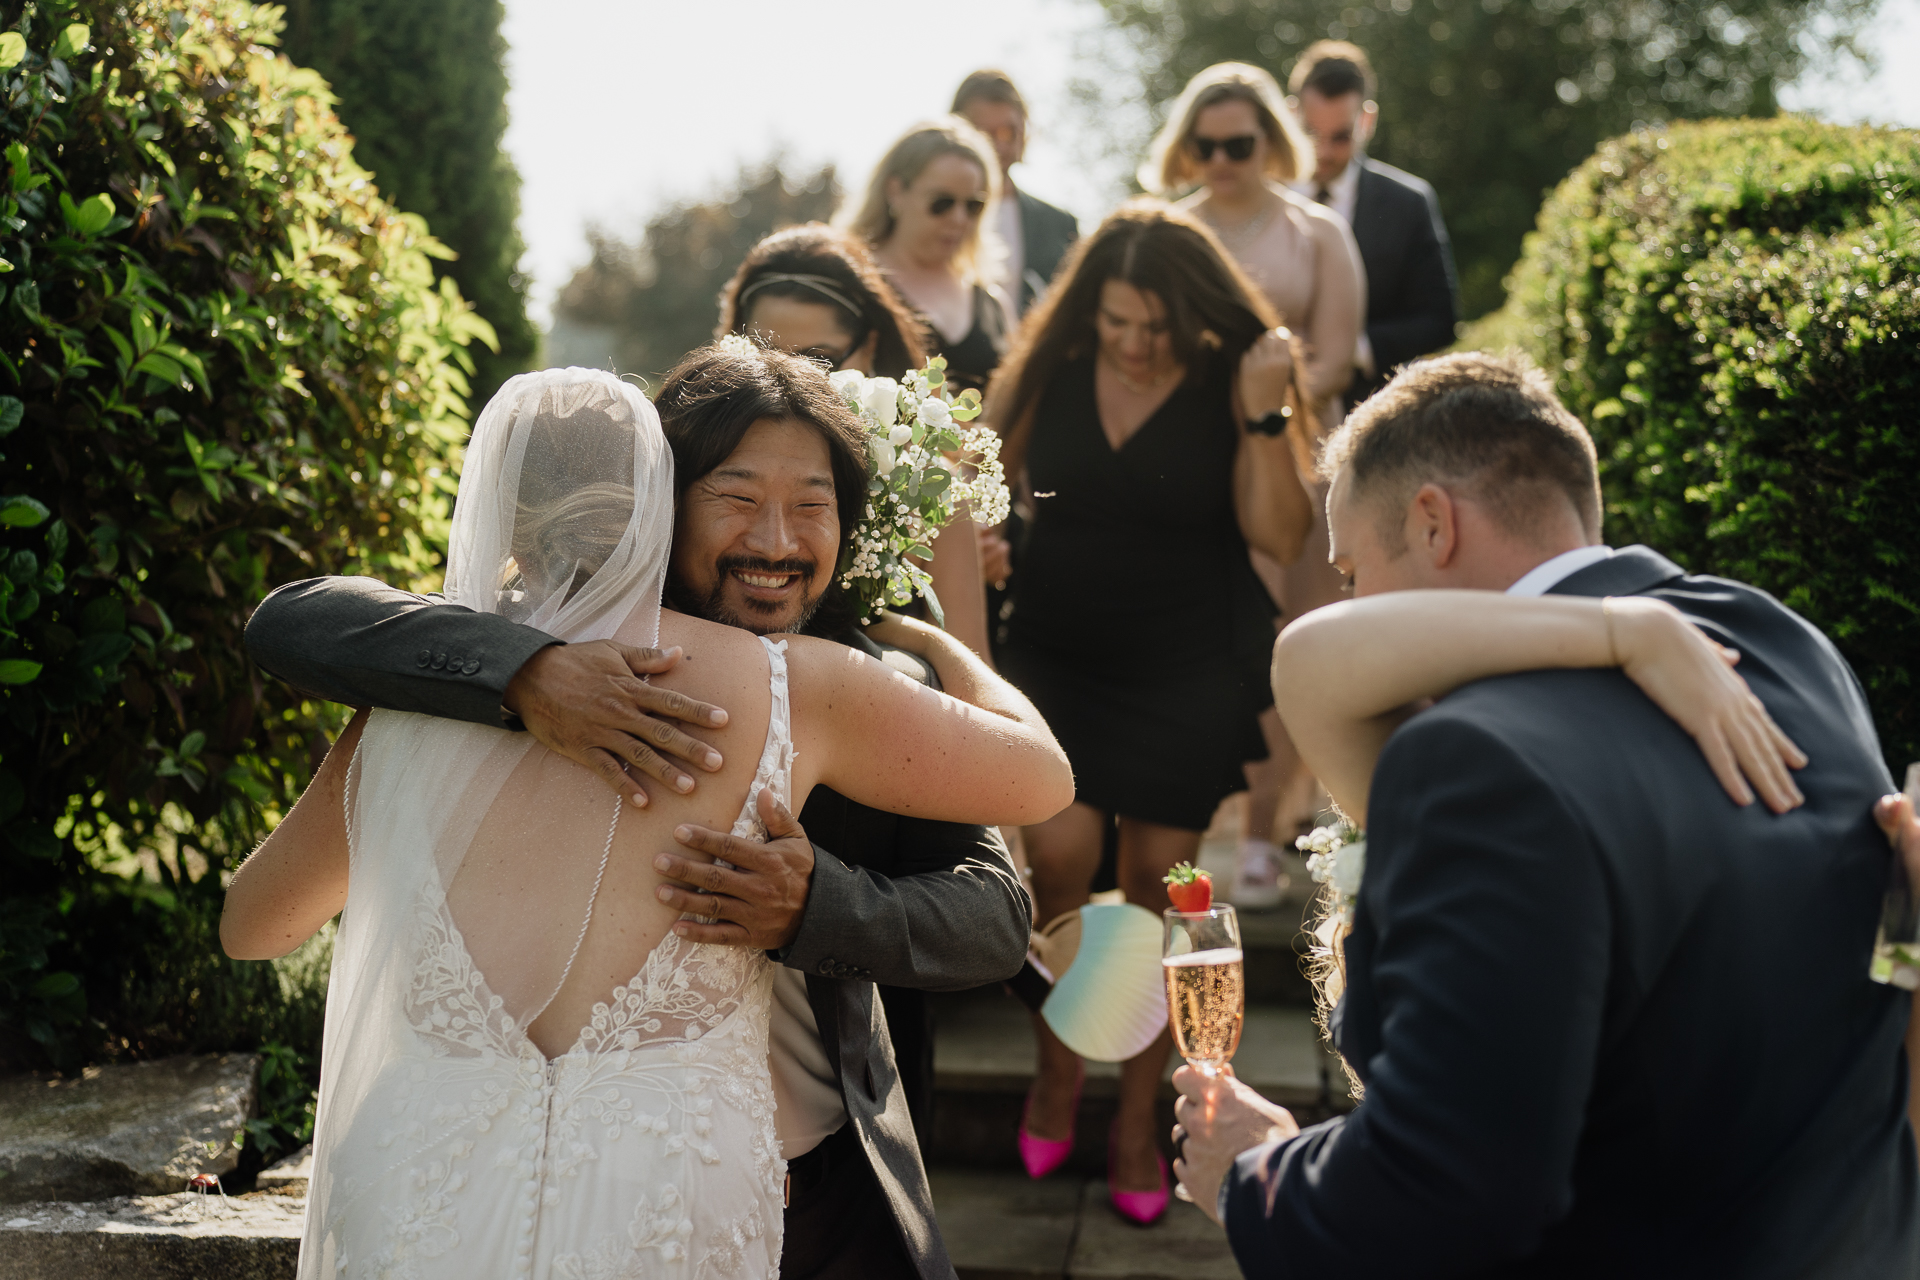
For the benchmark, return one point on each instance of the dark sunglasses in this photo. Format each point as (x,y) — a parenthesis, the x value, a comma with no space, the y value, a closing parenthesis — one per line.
(943,205)
(1238,148)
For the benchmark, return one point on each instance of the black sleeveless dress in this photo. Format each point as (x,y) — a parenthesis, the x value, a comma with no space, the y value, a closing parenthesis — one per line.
(1137,625)
(972,360)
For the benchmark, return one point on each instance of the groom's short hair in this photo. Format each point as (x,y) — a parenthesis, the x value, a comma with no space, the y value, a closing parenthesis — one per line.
(1485,424)
(714,395)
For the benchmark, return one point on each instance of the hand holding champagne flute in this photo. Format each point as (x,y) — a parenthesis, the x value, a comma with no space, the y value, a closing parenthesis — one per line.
(1205,970)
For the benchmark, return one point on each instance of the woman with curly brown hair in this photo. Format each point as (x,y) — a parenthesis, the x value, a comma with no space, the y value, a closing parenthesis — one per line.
(1162,420)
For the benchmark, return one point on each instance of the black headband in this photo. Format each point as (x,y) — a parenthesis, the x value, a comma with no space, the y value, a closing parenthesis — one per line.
(819,284)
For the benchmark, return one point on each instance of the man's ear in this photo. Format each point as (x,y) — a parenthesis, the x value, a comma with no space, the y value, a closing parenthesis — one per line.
(1369,120)
(1433,530)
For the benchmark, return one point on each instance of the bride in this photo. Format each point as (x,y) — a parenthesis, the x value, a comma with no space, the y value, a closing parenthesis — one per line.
(526,1070)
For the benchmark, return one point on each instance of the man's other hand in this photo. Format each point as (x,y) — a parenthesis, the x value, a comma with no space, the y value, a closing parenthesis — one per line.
(757,901)
(1219,1118)
(589,703)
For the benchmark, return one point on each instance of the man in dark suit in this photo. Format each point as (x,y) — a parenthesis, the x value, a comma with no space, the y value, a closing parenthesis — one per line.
(1035,233)
(1413,298)
(1609,1022)
(915,904)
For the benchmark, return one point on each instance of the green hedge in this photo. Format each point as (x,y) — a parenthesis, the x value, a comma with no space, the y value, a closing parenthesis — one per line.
(1732,307)
(224,363)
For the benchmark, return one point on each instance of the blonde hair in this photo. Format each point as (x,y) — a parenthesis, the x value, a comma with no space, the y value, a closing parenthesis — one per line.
(573,535)
(905,161)
(1170,168)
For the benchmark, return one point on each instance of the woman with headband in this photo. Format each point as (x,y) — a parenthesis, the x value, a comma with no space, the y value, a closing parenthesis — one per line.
(815,291)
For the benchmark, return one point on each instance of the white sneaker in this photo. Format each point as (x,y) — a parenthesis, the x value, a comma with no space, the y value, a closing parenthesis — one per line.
(1258,882)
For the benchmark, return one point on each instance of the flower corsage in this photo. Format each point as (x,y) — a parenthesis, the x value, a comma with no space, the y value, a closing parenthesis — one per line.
(1337,858)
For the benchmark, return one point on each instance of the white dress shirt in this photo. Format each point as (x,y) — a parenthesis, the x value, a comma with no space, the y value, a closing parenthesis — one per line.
(1545,576)
(1013,242)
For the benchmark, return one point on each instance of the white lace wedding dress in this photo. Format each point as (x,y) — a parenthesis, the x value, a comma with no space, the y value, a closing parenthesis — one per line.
(447,1145)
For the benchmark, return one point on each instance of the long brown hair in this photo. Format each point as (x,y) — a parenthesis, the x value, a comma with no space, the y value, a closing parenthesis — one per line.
(866,303)
(1214,313)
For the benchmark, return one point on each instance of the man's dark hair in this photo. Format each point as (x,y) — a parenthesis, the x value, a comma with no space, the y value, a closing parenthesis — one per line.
(1489,426)
(715,395)
(988,86)
(1333,69)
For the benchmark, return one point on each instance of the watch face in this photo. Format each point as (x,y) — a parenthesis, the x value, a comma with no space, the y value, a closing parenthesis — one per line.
(1271,424)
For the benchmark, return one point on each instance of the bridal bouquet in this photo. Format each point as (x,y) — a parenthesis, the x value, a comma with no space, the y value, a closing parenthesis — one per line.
(924,464)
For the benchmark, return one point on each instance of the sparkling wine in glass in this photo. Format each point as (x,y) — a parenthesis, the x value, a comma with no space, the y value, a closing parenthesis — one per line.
(1206,988)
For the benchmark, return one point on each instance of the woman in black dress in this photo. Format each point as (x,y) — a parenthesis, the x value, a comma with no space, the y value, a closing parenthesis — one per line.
(1162,423)
(922,215)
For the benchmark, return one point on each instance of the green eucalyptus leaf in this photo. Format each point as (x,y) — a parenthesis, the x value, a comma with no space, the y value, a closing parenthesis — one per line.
(13,49)
(191,744)
(20,511)
(72,42)
(18,671)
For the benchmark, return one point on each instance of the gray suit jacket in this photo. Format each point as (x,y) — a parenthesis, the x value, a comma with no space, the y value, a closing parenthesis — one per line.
(1046,232)
(927,906)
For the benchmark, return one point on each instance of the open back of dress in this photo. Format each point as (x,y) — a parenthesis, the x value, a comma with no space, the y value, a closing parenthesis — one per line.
(446,1143)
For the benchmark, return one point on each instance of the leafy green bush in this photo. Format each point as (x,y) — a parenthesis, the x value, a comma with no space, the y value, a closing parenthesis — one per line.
(224,363)
(1732,307)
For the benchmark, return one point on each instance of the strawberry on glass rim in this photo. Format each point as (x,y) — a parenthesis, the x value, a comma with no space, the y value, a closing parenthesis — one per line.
(1189,888)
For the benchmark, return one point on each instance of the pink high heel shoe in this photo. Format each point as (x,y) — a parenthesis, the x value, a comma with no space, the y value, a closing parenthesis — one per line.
(1143,1208)
(1043,1155)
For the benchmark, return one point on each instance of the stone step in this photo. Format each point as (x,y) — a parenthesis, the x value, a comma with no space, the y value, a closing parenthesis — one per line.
(1005,1226)
(167,1237)
(984,1062)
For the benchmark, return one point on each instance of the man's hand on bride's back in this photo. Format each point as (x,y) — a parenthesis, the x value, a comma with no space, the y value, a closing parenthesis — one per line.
(589,703)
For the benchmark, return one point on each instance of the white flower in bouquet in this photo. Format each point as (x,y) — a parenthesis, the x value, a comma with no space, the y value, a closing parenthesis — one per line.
(881,400)
(934,414)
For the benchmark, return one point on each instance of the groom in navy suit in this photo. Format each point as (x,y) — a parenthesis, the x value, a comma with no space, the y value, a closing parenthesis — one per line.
(1609,1023)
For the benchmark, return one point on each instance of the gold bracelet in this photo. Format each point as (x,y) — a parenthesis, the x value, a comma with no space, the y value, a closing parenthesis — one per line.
(1606,610)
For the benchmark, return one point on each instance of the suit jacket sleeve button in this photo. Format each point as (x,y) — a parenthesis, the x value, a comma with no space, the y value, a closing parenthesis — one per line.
(826,968)
(439,661)
(473,665)
(425,656)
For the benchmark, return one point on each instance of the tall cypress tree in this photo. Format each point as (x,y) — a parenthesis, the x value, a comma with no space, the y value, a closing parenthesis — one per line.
(423,89)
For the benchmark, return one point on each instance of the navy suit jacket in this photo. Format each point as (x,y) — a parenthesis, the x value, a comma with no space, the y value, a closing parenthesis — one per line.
(1413,297)
(1611,1024)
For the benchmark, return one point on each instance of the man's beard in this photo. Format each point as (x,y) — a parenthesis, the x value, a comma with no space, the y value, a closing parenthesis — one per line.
(758,617)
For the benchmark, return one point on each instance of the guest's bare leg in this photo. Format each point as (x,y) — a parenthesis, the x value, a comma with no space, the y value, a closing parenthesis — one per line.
(1063,853)
(1147,851)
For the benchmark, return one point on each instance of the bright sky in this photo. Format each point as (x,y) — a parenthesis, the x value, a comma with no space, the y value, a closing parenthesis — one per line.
(621,105)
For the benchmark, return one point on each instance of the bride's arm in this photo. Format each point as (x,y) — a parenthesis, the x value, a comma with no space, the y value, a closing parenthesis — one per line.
(296,880)
(1345,676)
(980,755)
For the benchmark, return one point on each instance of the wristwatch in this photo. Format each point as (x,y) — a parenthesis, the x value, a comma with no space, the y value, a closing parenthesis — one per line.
(1271,424)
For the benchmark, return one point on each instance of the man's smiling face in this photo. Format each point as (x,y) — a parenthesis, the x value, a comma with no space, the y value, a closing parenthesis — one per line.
(756,539)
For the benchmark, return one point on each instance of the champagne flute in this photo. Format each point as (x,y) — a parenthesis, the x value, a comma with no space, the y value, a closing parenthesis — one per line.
(1206,988)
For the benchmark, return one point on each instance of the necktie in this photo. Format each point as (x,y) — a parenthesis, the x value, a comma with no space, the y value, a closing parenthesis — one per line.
(1321,195)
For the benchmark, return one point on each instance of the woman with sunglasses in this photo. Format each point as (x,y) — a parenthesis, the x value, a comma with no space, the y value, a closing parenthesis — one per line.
(815,291)
(922,214)
(1231,139)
